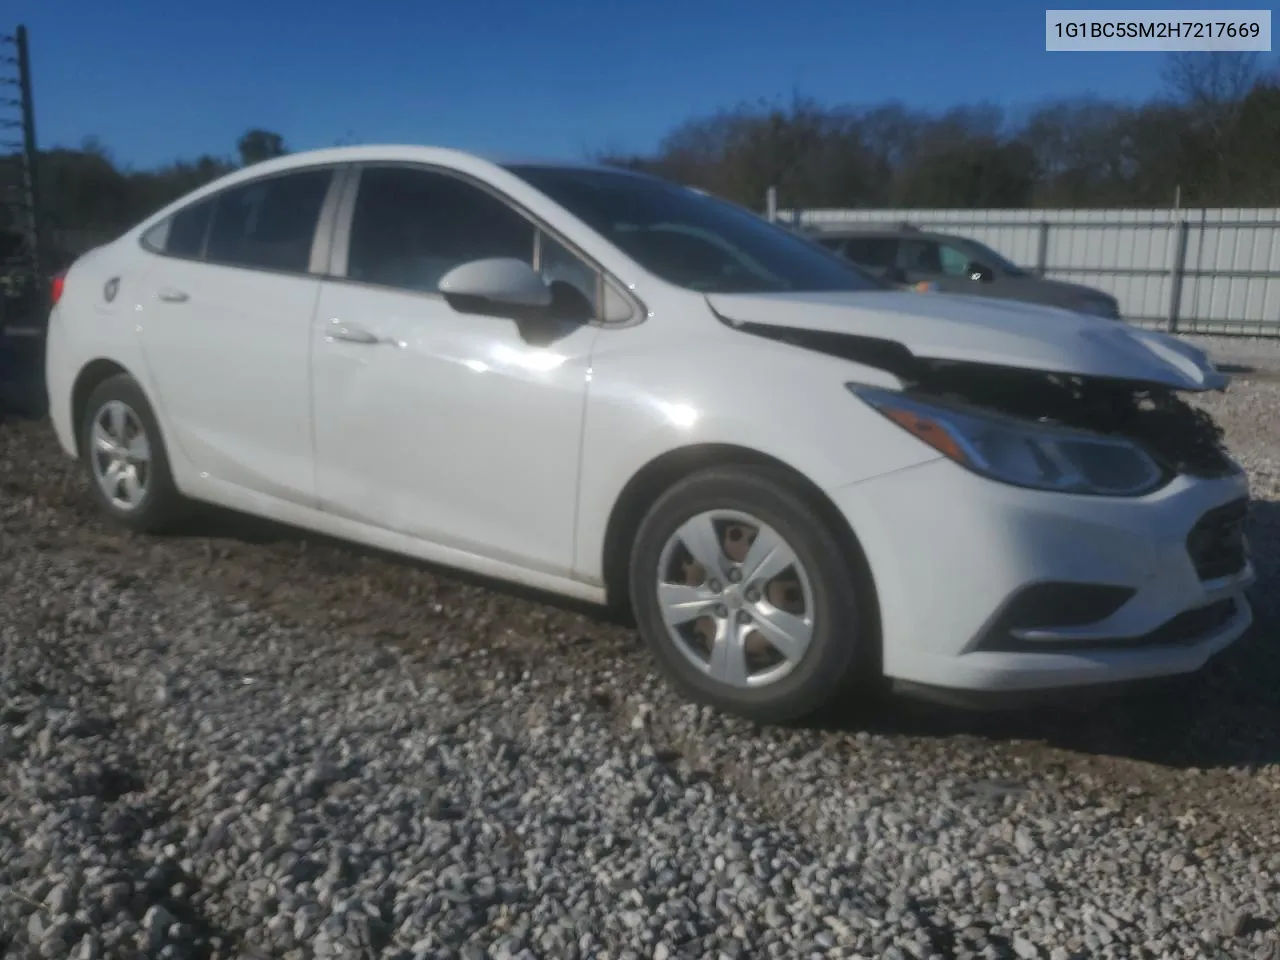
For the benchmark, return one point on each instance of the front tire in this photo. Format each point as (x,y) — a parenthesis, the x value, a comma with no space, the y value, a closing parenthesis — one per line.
(745,596)
(125,458)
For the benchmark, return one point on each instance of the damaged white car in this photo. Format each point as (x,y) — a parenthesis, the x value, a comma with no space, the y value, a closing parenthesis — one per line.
(614,388)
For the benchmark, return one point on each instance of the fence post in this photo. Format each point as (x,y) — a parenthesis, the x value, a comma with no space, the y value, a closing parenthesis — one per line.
(1177,272)
(1042,252)
(31,158)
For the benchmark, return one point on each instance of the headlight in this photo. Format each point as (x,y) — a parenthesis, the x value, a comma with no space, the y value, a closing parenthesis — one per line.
(1040,456)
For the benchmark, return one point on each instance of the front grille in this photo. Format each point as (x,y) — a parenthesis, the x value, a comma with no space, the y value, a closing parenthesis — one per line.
(1052,604)
(1216,542)
(1192,626)
(1186,629)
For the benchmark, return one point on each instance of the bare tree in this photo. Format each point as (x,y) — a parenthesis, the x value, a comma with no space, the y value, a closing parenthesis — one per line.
(1215,133)
(1212,88)
(1212,80)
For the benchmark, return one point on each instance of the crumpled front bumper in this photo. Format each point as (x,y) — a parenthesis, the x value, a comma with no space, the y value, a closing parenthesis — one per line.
(954,557)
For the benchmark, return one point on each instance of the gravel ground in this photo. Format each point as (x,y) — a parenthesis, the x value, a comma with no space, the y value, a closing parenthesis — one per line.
(248,742)
(1261,354)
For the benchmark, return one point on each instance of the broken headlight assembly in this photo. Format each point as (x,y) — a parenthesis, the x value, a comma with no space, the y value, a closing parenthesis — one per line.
(1041,456)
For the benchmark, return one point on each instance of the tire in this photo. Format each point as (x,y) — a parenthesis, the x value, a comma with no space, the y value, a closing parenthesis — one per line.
(840,648)
(158,506)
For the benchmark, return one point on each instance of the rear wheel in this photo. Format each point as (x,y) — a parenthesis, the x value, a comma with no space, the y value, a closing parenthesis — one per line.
(745,597)
(124,456)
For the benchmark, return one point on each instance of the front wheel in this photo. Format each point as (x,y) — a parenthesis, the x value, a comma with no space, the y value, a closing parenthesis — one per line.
(745,596)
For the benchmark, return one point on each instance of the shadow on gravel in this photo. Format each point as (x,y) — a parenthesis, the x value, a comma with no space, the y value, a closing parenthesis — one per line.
(1246,373)
(1227,715)
(1223,716)
(216,523)
(22,391)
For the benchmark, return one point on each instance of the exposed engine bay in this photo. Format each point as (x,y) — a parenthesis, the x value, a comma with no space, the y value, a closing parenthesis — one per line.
(1184,438)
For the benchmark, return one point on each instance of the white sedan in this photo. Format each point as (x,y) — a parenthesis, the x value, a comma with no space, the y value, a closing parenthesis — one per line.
(618,389)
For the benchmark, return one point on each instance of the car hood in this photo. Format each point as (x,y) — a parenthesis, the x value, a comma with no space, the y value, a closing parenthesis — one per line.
(958,329)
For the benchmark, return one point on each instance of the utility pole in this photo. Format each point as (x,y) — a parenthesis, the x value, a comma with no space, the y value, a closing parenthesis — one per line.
(30,158)
(22,282)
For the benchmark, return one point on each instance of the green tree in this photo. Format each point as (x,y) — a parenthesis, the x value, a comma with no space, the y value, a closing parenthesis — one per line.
(257,145)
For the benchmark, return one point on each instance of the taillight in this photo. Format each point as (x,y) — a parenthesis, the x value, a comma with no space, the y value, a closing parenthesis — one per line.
(56,287)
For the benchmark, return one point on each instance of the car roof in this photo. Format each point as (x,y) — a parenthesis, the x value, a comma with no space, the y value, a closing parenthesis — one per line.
(498,170)
(417,153)
(460,161)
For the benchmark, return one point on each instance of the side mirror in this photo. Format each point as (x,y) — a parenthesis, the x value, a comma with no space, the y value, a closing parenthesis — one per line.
(501,281)
(981,273)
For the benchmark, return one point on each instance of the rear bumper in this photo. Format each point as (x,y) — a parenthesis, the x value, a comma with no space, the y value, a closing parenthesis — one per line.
(952,553)
(59,373)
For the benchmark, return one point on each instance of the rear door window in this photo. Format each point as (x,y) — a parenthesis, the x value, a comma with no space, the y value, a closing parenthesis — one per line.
(269,224)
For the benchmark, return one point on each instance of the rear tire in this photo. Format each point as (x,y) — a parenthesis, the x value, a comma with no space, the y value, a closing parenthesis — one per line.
(125,458)
(769,629)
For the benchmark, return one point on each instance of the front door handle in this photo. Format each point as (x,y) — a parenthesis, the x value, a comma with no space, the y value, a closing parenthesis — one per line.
(170,295)
(348,332)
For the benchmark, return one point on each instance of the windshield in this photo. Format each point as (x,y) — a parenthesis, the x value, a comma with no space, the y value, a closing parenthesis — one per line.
(984,254)
(691,239)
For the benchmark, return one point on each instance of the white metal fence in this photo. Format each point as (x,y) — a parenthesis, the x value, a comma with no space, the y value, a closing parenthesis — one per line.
(1192,271)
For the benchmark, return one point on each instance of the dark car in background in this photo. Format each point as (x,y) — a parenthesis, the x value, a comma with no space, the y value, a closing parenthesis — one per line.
(905,255)
(22,288)
(23,315)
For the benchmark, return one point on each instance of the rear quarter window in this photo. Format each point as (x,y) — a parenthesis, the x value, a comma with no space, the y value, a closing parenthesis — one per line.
(183,234)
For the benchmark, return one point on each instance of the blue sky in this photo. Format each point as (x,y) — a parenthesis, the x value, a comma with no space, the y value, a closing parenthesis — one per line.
(155,80)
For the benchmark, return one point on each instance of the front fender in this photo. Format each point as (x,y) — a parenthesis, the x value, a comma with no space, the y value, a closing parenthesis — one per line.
(733,389)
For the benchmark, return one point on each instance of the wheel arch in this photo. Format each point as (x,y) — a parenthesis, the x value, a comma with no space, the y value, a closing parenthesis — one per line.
(87,380)
(660,473)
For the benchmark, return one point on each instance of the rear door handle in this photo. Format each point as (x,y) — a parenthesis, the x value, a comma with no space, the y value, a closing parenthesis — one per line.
(348,332)
(170,295)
